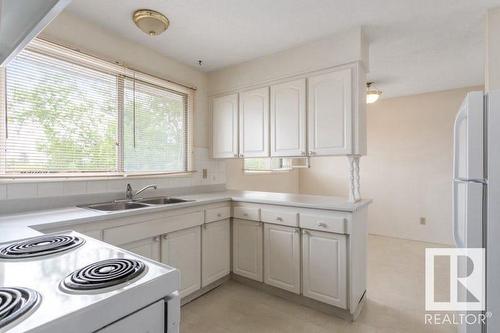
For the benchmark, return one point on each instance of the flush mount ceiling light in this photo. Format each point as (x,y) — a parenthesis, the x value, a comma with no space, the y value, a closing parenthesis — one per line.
(372,93)
(151,22)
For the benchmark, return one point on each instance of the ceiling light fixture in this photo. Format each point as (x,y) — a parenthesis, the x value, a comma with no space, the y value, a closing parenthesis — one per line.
(151,22)
(372,93)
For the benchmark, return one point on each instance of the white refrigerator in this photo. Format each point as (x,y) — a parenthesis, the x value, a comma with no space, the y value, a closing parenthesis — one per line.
(476,191)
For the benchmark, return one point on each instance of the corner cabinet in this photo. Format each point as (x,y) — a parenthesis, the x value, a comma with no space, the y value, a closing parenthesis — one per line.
(215,240)
(247,249)
(254,123)
(181,249)
(288,118)
(225,126)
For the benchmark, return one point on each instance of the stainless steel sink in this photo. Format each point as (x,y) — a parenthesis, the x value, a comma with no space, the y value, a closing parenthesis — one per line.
(114,206)
(162,201)
(126,205)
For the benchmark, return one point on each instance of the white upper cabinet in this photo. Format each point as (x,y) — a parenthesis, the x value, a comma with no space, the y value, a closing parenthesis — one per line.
(21,21)
(254,123)
(288,118)
(330,113)
(225,126)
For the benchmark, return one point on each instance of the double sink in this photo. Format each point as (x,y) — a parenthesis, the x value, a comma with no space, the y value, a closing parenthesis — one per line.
(118,205)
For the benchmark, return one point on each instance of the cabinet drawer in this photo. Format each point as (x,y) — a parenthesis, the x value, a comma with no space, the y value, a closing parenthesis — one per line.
(132,232)
(217,214)
(247,213)
(328,222)
(279,217)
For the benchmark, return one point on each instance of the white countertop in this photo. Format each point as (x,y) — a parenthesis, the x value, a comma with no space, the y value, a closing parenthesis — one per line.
(16,226)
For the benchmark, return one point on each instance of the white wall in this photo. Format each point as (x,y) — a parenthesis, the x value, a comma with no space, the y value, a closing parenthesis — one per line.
(408,169)
(333,50)
(492,63)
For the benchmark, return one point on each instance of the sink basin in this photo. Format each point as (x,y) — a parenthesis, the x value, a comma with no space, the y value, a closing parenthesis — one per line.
(162,201)
(114,206)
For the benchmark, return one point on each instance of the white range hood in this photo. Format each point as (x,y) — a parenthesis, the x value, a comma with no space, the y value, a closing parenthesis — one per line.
(23,20)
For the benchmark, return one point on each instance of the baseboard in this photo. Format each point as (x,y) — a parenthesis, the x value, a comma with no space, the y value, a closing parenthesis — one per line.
(204,290)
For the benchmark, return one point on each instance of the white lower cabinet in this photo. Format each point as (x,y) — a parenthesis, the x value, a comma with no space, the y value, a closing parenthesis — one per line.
(247,249)
(182,250)
(215,261)
(282,257)
(149,248)
(324,268)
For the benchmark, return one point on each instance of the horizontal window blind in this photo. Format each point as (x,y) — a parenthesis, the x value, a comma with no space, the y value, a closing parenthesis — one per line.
(64,112)
(61,117)
(155,128)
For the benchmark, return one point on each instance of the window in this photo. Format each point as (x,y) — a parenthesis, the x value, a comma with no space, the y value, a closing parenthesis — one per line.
(268,165)
(66,113)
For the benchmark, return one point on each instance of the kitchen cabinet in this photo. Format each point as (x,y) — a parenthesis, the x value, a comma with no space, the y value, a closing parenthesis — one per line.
(288,118)
(254,123)
(182,250)
(149,248)
(247,249)
(330,113)
(282,257)
(225,126)
(324,270)
(215,240)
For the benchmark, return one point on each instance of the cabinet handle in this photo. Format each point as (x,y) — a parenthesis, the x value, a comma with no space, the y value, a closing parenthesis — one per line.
(241,155)
(165,237)
(156,239)
(303,153)
(305,232)
(312,153)
(295,230)
(279,218)
(322,225)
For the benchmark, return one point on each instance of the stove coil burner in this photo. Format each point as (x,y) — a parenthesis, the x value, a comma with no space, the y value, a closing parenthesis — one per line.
(40,246)
(15,302)
(104,274)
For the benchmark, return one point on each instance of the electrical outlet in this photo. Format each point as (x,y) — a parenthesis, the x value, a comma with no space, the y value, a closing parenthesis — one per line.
(423,221)
(205,174)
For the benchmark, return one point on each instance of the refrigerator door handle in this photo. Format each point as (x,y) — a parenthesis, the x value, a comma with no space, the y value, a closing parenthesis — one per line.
(454,217)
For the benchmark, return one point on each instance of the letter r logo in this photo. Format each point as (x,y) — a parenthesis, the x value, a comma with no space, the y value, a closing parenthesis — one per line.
(466,279)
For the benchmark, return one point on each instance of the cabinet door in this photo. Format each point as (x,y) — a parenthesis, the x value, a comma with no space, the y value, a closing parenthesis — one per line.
(254,123)
(215,238)
(247,249)
(324,267)
(182,250)
(288,118)
(330,113)
(149,248)
(282,257)
(225,126)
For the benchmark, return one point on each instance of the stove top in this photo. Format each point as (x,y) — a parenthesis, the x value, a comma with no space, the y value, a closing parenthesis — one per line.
(40,246)
(104,274)
(16,302)
(125,284)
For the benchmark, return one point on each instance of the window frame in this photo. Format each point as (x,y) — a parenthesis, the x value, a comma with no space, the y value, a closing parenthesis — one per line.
(121,72)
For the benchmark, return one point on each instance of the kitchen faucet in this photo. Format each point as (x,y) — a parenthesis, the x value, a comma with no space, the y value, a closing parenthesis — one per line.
(130,195)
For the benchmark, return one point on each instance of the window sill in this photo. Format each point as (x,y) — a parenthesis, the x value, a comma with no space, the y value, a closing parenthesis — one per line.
(7,179)
(265,172)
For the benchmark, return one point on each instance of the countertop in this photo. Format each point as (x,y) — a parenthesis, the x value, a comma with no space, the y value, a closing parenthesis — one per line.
(17,226)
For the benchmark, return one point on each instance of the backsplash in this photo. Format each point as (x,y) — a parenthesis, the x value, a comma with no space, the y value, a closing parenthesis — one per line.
(216,174)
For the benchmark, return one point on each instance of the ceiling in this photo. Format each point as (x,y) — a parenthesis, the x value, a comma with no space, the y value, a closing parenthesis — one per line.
(415,46)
